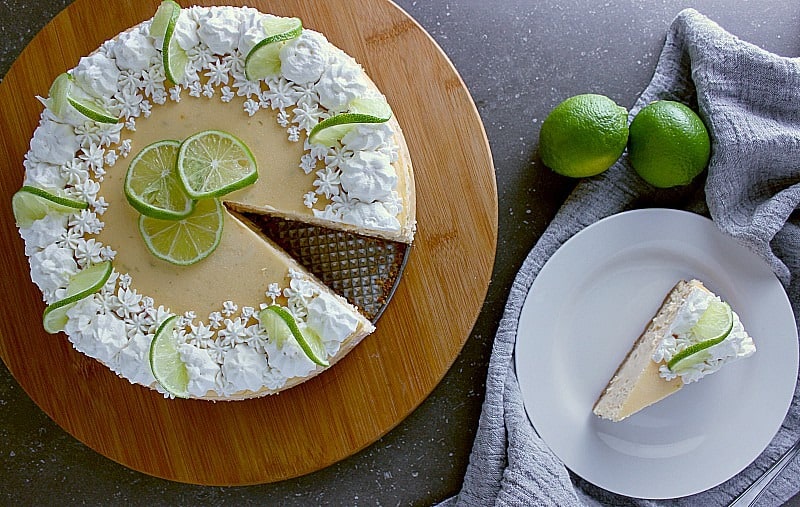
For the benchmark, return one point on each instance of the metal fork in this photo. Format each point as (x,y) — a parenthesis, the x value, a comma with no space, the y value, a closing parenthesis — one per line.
(754,492)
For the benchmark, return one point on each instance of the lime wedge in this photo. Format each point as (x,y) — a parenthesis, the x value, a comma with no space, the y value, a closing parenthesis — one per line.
(212,163)
(59,91)
(361,111)
(64,92)
(152,186)
(165,360)
(280,326)
(31,204)
(165,12)
(82,284)
(89,106)
(173,55)
(713,326)
(188,240)
(263,60)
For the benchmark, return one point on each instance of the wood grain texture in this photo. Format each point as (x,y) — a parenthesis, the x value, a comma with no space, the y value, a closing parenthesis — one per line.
(372,389)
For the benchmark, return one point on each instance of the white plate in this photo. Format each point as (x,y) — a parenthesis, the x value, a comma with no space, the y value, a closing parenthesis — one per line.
(589,303)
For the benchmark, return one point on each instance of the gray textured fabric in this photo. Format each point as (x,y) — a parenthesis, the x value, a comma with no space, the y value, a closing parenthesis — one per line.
(750,101)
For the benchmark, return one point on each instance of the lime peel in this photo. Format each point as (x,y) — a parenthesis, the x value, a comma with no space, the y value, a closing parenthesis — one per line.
(166,364)
(330,130)
(310,343)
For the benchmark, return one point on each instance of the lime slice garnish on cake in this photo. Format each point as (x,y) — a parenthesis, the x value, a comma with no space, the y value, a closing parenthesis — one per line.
(152,186)
(280,326)
(329,131)
(713,326)
(64,92)
(164,14)
(82,284)
(31,204)
(188,240)
(173,56)
(263,60)
(165,360)
(212,163)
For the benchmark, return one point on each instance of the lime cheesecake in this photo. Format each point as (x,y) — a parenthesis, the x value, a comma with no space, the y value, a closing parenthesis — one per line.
(147,158)
(693,334)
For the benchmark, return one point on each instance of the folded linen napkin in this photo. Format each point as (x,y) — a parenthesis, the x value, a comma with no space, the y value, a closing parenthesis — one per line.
(750,101)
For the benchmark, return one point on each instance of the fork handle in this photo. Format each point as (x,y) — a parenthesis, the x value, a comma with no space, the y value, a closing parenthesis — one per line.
(754,492)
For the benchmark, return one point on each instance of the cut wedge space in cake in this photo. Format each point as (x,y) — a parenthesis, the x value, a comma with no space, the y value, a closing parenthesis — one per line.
(693,334)
(159,153)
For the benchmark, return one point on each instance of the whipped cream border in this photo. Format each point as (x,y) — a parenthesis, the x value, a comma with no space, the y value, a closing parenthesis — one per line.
(228,352)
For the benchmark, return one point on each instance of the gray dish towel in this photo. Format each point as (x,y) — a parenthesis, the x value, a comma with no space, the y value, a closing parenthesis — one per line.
(750,101)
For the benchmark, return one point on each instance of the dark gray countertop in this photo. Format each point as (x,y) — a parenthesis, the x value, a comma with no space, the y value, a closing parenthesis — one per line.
(518,60)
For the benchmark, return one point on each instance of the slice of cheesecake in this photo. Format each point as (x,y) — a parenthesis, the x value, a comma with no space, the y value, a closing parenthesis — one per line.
(645,377)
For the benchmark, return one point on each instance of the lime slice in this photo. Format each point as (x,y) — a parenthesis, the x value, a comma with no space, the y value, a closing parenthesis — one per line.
(212,163)
(89,106)
(165,12)
(59,91)
(152,185)
(64,92)
(361,111)
(165,360)
(31,204)
(714,325)
(173,55)
(82,284)
(280,326)
(188,240)
(263,60)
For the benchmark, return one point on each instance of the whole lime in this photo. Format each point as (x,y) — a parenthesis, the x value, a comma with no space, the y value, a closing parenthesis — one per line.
(583,136)
(669,144)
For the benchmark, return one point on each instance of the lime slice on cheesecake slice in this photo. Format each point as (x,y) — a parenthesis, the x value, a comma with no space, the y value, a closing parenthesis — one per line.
(30,204)
(280,325)
(188,240)
(152,186)
(713,326)
(81,285)
(263,60)
(165,360)
(331,130)
(213,163)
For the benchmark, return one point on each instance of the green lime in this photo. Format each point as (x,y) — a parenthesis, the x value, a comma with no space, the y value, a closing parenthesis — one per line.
(263,60)
(173,55)
(165,360)
(30,204)
(360,111)
(164,14)
(212,163)
(59,91)
(188,240)
(669,144)
(713,326)
(280,326)
(152,186)
(81,285)
(583,136)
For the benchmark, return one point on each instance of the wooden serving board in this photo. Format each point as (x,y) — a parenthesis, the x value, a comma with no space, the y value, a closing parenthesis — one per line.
(372,389)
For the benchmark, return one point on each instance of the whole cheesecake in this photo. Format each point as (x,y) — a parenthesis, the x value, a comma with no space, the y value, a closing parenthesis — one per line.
(361,184)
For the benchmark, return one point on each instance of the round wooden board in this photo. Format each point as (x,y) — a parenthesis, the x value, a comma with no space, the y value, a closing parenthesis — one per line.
(372,389)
